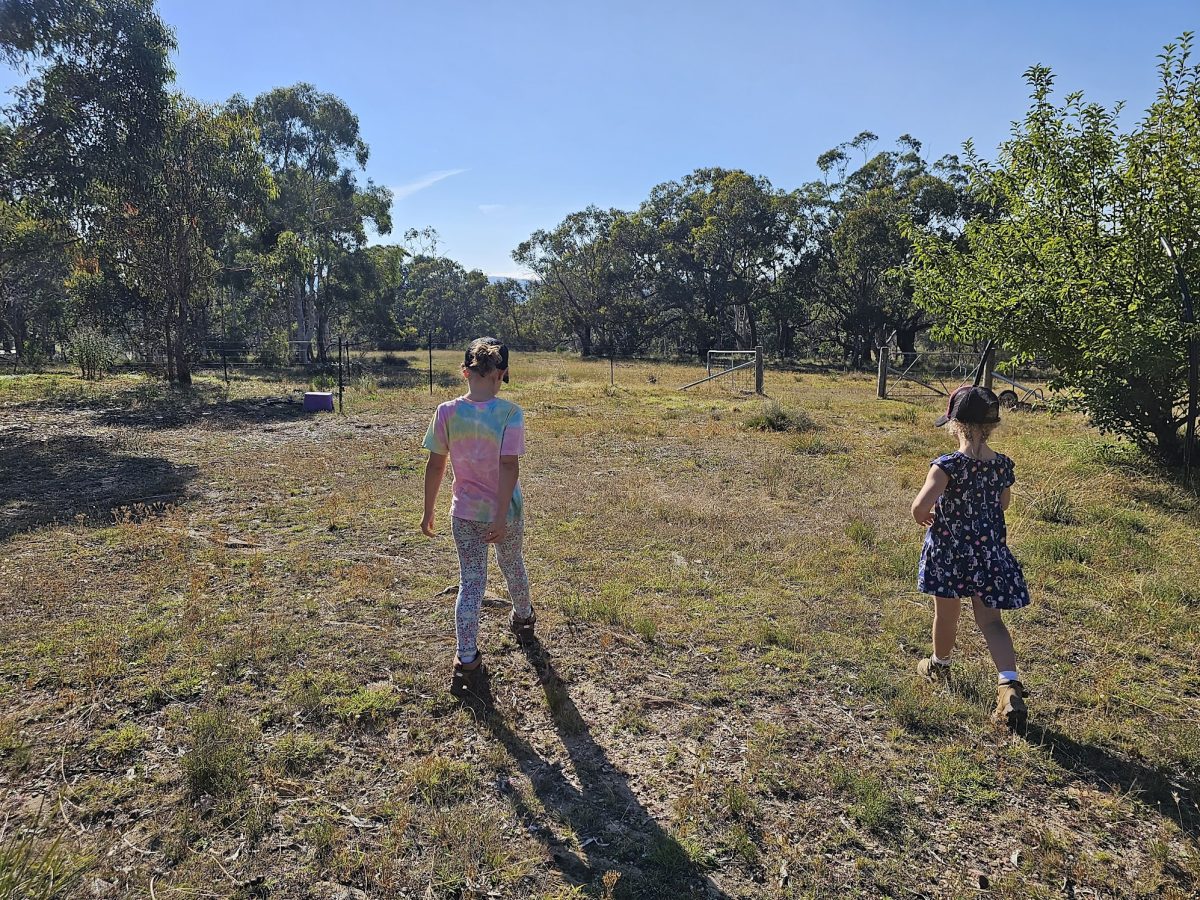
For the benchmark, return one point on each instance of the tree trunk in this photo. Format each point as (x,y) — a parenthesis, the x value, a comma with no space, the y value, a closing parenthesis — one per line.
(906,340)
(584,333)
(1168,443)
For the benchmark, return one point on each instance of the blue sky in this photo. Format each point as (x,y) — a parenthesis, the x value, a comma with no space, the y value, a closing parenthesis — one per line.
(492,119)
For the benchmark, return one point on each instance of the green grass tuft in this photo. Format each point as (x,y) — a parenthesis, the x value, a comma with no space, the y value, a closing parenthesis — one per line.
(776,417)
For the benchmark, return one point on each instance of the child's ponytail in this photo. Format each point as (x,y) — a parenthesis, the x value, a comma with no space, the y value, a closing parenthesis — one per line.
(485,355)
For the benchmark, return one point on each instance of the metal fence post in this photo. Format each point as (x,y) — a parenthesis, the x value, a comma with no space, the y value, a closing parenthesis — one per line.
(341,375)
(881,385)
(431,364)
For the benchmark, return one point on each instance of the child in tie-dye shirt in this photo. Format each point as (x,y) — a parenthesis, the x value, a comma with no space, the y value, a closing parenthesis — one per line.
(483,437)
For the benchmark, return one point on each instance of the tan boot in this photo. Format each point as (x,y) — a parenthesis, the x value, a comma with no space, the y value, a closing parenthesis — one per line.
(1011,711)
(935,673)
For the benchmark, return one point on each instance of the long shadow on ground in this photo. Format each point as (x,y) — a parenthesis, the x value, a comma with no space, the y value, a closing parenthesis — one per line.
(157,406)
(63,478)
(619,834)
(1175,796)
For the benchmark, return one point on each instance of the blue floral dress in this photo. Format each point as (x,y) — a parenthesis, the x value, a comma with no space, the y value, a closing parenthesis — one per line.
(965,553)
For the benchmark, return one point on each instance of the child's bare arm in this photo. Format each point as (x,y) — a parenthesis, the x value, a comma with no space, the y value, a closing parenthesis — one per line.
(923,503)
(1005,497)
(435,470)
(510,470)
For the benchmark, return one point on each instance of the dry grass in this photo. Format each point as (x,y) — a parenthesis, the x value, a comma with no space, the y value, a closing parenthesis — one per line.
(225,651)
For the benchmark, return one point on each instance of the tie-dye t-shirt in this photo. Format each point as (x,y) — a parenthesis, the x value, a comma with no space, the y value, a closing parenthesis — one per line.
(476,435)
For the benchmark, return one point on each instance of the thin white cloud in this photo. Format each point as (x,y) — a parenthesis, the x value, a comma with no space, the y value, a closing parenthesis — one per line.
(519,275)
(488,208)
(427,180)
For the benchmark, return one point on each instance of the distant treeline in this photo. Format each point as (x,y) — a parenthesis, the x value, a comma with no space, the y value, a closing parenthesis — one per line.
(134,218)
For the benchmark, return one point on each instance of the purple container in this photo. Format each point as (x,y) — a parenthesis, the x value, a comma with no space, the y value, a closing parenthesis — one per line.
(318,401)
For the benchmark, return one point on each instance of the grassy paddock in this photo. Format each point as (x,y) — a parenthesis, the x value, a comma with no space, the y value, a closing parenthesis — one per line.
(226,645)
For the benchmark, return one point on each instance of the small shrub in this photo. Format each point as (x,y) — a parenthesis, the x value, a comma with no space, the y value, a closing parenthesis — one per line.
(775,417)
(633,720)
(32,870)
(368,707)
(738,802)
(962,778)
(1057,548)
(810,444)
(366,384)
(1055,506)
(276,351)
(93,351)
(646,628)
(218,760)
(322,382)
(873,806)
(308,691)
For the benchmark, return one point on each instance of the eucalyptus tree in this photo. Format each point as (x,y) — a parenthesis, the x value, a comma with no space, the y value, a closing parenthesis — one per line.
(155,253)
(1072,266)
(714,246)
(32,278)
(96,100)
(319,219)
(75,135)
(577,263)
(861,283)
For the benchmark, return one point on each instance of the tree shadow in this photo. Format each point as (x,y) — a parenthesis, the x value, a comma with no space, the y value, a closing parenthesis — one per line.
(156,406)
(1174,797)
(618,834)
(189,410)
(63,478)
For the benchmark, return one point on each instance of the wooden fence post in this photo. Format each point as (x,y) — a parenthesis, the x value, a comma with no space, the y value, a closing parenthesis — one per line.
(881,385)
(758,369)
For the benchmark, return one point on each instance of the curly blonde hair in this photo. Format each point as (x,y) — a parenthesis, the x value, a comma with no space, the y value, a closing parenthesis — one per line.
(973,432)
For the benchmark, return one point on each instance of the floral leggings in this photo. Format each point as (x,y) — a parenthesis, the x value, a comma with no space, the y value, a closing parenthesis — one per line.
(472,565)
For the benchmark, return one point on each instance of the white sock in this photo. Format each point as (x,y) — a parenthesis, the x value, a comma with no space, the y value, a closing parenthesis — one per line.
(467,658)
(937,661)
(1008,675)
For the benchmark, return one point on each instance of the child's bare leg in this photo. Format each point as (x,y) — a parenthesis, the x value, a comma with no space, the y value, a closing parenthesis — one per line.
(995,633)
(946,611)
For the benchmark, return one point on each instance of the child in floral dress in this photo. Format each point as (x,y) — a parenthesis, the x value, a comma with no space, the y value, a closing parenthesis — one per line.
(965,555)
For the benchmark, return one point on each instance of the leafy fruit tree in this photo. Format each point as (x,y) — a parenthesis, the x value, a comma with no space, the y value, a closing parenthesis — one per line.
(1071,267)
